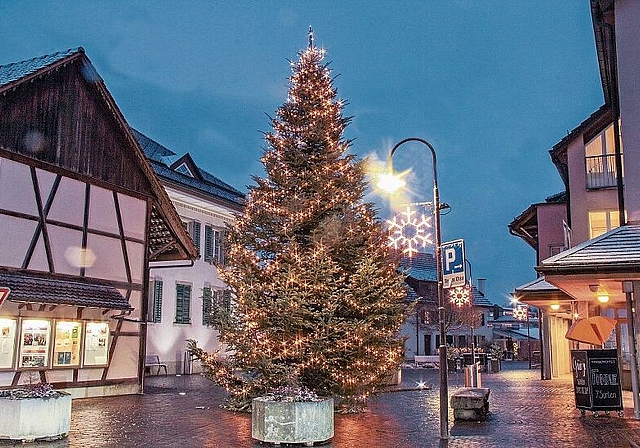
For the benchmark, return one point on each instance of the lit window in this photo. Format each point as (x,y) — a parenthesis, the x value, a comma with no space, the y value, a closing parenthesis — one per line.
(602,221)
(600,160)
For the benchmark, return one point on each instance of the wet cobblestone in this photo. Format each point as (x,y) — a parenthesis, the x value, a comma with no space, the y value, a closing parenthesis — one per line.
(524,412)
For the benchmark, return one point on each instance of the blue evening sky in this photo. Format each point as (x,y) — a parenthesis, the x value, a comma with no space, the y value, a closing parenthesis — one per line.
(493,85)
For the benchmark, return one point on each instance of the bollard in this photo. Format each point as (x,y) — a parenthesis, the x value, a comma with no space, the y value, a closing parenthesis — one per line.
(187,363)
(472,376)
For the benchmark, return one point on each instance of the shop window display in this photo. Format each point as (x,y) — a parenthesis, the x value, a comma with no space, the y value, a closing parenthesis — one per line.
(7,342)
(34,343)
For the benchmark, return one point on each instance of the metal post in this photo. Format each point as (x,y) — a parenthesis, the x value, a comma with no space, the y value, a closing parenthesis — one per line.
(528,338)
(418,329)
(442,349)
(629,289)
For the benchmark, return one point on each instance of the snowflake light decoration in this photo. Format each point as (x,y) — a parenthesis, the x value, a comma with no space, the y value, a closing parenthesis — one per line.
(459,295)
(409,230)
(520,312)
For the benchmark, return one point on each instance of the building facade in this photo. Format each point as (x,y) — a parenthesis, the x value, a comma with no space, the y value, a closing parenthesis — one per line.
(184,298)
(599,272)
(81,216)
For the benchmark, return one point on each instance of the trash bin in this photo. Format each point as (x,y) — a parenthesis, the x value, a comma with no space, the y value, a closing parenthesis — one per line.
(472,376)
(187,363)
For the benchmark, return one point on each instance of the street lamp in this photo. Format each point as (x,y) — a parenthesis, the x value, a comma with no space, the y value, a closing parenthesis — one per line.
(390,182)
(521,312)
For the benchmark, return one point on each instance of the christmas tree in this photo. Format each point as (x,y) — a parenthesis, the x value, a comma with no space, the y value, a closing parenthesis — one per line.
(319,299)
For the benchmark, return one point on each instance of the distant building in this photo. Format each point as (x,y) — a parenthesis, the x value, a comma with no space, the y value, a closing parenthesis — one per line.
(185,297)
(81,216)
(422,327)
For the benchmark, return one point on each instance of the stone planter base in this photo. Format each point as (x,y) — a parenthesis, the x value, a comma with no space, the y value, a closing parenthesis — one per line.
(32,419)
(470,404)
(296,422)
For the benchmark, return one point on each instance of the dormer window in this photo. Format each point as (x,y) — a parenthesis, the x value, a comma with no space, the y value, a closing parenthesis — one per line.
(184,169)
(600,161)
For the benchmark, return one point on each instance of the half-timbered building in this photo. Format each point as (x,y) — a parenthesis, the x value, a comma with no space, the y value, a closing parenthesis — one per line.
(81,217)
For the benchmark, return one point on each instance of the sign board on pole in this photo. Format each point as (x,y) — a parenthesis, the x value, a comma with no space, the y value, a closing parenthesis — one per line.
(454,271)
(4,293)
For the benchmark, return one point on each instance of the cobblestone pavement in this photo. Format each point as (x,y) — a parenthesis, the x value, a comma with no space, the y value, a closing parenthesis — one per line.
(182,411)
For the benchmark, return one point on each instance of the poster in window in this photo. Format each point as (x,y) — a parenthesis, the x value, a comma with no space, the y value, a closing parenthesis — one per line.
(7,342)
(34,343)
(96,345)
(66,347)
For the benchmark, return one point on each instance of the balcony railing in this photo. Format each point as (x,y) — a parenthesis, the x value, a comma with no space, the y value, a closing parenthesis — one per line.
(601,171)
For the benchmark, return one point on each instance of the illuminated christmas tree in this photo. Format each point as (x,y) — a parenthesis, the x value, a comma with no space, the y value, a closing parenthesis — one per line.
(319,297)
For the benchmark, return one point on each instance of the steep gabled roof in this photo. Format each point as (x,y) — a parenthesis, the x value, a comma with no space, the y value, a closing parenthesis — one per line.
(200,180)
(168,240)
(152,149)
(23,70)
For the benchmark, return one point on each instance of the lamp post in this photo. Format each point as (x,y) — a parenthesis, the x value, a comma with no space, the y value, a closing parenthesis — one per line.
(473,316)
(393,183)
(522,312)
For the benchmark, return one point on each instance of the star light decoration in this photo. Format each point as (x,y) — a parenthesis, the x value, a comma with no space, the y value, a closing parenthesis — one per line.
(460,295)
(409,230)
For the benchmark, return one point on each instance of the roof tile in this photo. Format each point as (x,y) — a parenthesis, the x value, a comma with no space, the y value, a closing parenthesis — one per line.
(42,289)
(16,70)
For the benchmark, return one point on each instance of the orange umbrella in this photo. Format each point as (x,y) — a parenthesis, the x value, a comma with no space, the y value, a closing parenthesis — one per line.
(583,331)
(603,326)
(592,330)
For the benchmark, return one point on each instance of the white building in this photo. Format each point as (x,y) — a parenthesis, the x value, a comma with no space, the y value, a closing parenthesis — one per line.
(183,297)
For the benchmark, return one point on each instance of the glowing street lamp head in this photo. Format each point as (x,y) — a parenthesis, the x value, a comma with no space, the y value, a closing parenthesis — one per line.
(390,182)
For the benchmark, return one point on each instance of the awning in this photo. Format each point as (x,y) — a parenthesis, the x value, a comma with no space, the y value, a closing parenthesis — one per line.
(39,289)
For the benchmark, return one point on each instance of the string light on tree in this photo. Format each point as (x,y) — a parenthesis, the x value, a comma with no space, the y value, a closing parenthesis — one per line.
(409,230)
(319,302)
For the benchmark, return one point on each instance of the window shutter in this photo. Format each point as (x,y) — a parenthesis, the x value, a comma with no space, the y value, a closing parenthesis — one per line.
(195,234)
(218,246)
(157,301)
(183,302)
(226,299)
(207,305)
(208,243)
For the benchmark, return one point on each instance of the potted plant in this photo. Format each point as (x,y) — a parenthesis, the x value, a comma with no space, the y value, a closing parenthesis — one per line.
(495,354)
(292,414)
(453,356)
(34,412)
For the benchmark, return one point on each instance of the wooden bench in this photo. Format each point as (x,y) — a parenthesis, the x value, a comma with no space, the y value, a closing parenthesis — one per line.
(154,361)
(470,404)
(432,360)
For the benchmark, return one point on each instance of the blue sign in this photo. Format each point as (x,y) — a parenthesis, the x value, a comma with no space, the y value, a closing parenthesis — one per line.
(453,264)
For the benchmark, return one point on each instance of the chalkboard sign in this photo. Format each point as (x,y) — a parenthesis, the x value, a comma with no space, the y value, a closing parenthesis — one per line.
(596,379)
(581,379)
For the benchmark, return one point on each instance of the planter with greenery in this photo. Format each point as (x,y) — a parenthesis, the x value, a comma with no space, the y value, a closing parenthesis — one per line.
(34,412)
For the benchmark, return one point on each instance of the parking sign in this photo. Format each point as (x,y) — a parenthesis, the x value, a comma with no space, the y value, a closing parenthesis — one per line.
(453,264)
